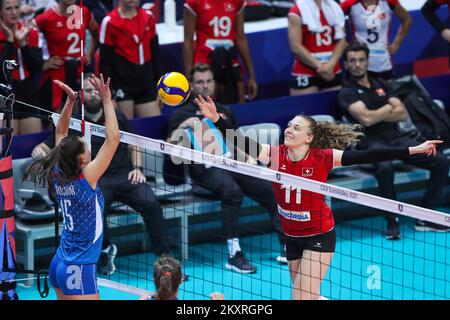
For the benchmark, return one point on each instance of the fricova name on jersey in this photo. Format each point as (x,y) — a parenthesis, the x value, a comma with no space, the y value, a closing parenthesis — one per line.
(295,215)
(65,191)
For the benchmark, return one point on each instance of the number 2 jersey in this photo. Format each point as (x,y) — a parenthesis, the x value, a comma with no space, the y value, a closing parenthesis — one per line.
(215,25)
(371,25)
(63,40)
(82,210)
(303,213)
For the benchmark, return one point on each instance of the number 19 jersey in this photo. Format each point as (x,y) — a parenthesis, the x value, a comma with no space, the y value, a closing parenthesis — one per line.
(303,213)
(82,210)
(215,25)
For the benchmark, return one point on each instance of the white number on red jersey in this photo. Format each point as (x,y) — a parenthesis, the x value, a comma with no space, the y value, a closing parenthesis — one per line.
(221,25)
(324,38)
(74,38)
(288,189)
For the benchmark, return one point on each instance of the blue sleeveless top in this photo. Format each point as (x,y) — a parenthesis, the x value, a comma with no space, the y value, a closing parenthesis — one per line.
(82,208)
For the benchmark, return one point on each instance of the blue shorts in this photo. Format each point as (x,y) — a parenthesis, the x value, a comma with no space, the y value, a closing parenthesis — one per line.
(73,279)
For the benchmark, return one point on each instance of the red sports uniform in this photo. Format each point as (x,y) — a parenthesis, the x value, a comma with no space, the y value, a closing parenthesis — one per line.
(215,25)
(33,42)
(303,213)
(63,40)
(130,42)
(320,45)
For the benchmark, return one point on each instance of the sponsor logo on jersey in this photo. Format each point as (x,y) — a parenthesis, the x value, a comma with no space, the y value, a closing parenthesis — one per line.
(283,167)
(207,6)
(295,215)
(59,24)
(318,245)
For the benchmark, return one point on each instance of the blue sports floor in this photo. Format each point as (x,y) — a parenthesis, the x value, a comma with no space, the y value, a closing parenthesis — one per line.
(365,266)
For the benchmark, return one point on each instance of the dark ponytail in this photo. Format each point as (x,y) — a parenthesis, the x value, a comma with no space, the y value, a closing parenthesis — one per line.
(65,156)
(167,276)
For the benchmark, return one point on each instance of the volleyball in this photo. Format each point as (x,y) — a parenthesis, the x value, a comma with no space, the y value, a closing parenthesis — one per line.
(173,88)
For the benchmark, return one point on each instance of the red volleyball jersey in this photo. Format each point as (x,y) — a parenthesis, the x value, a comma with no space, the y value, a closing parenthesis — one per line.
(63,37)
(320,45)
(33,42)
(60,32)
(303,213)
(129,38)
(215,26)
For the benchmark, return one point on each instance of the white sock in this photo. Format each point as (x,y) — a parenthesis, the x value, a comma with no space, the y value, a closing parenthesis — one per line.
(233,246)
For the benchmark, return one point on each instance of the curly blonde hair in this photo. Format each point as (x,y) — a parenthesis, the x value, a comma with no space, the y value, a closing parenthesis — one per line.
(328,135)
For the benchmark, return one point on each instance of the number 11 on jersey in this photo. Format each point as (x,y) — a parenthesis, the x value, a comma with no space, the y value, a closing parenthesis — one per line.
(288,189)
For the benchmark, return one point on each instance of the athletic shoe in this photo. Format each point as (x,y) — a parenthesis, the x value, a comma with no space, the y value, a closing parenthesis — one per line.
(106,262)
(239,263)
(282,257)
(430,226)
(393,231)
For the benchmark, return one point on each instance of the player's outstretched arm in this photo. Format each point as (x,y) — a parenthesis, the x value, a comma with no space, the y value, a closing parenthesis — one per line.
(209,110)
(95,169)
(345,158)
(62,127)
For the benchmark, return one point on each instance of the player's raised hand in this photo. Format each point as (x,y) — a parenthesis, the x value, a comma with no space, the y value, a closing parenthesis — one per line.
(72,95)
(207,107)
(100,86)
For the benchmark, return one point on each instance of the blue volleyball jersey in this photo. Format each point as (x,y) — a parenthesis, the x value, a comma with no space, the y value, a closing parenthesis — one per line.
(82,209)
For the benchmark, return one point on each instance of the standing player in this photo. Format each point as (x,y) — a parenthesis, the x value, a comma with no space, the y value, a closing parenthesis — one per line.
(61,27)
(371,21)
(317,40)
(219,24)
(20,42)
(305,218)
(129,54)
(73,177)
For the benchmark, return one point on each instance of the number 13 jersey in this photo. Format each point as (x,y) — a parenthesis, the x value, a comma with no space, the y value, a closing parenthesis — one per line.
(303,213)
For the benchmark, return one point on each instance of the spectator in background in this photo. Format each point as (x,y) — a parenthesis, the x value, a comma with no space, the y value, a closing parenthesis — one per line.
(429,12)
(371,21)
(130,55)
(30,8)
(122,181)
(20,42)
(226,185)
(219,29)
(369,101)
(317,39)
(99,8)
(58,25)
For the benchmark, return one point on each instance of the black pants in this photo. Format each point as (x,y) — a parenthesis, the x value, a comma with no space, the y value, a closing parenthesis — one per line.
(437,165)
(230,188)
(141,198)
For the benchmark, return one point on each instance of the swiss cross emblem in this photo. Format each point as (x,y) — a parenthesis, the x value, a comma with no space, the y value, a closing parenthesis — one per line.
(307,172)
(229,7)
(380,92)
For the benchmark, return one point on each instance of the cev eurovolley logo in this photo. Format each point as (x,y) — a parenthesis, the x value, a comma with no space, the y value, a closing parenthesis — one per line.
(374,20)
